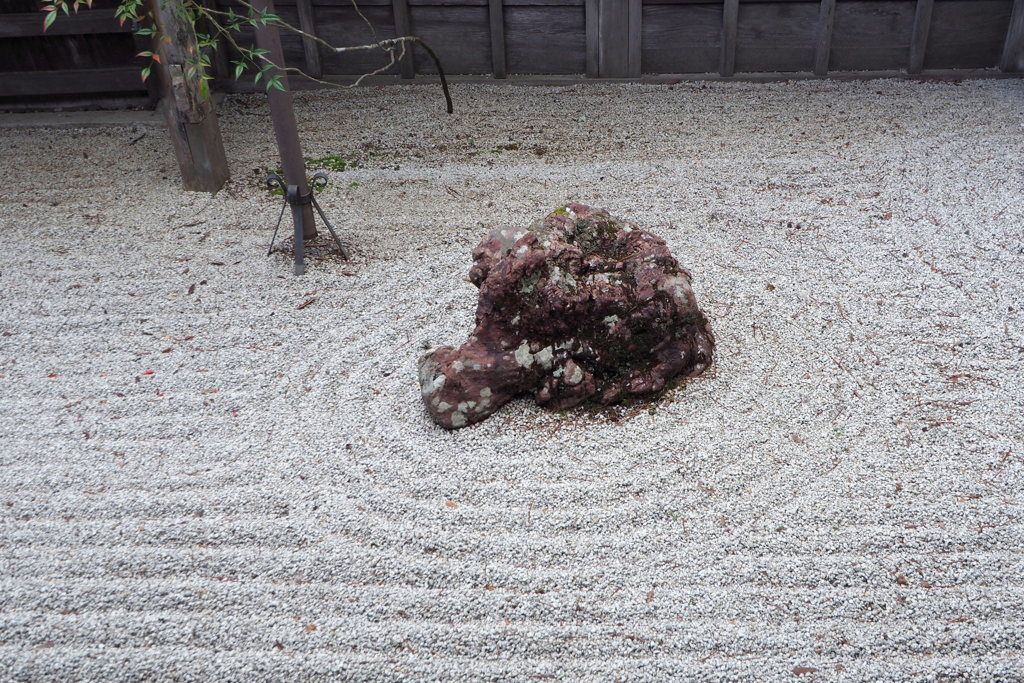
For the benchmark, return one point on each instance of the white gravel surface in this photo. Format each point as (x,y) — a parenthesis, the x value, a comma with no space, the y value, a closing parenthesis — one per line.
(201,480)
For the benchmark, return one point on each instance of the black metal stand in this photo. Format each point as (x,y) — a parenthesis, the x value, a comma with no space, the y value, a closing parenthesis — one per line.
(296,201)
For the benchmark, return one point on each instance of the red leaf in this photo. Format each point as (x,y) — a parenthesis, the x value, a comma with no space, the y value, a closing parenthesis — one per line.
(148,372)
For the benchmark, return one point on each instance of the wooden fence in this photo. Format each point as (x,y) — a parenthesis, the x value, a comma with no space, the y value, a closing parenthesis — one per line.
(628,38)
(91,54)
(87,55)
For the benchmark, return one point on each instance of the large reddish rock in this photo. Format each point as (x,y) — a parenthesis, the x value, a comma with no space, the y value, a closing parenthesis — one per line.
(580,306)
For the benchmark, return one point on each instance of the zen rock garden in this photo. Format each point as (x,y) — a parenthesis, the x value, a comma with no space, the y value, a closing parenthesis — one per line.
(581,306)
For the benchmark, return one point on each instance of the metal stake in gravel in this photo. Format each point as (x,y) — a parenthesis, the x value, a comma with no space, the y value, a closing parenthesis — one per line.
(298,203)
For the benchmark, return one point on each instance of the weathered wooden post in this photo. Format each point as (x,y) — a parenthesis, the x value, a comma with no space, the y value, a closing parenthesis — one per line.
(191,120)
(282,112)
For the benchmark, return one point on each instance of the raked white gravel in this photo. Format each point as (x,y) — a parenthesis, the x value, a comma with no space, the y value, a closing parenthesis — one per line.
(200,480)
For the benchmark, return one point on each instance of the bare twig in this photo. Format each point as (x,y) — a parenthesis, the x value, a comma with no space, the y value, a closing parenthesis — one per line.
(394,47)
(369,25)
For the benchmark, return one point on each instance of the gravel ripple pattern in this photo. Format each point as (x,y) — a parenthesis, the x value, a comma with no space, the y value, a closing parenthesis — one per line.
(213,470)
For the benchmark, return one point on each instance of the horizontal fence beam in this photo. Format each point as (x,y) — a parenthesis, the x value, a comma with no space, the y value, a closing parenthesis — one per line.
(540,3)
(299,83)
(87,21)
(71,82)
(445,3)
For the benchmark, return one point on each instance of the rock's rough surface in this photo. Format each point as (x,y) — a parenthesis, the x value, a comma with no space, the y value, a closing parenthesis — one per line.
(579,306)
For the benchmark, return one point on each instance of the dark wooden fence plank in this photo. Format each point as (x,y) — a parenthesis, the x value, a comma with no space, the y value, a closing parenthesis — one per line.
(593,23)
(307,22)
(776,36)
(87,21)
(823,41)
(403,27)
(530,31)
(70,82)
(730,15)
(340,26)
(869,35)
(496,14)
(459,35)
(682,38)
(967,34)
(1012,58)
(613,43)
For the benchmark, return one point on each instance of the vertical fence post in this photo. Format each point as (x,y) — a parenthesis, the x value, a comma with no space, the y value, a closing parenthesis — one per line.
(311,49)
(191,121)
(592,15)
(1013,47)
(634,38)
(730,17)
(496,13)
(824,41)
(403,27)
(919,38)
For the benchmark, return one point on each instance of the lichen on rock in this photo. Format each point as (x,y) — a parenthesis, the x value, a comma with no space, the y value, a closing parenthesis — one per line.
(580,306)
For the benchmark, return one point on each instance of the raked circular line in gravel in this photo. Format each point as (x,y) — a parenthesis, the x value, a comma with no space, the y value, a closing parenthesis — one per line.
(200,479)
